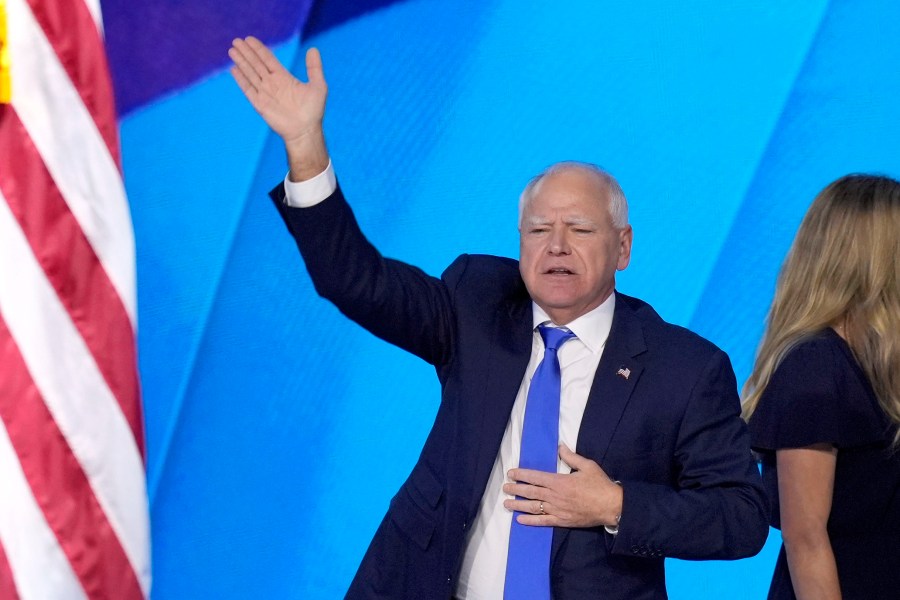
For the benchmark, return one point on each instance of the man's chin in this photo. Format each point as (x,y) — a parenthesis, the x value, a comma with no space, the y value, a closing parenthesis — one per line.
(558,298)
(557,307)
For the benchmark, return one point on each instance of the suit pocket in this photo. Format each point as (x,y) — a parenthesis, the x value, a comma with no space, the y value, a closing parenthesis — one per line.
(414,509)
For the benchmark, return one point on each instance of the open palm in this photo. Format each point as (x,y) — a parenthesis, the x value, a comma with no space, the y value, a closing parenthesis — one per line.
(292,109)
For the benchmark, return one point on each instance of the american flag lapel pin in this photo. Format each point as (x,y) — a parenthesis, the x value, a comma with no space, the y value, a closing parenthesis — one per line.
(624,372)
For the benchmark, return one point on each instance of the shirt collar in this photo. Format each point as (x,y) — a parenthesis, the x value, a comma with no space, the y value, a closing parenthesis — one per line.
(592,328)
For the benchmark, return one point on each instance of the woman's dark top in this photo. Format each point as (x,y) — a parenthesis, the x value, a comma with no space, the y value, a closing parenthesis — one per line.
(819,394)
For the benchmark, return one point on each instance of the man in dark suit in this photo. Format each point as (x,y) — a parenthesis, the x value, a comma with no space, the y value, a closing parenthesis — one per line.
(661,463)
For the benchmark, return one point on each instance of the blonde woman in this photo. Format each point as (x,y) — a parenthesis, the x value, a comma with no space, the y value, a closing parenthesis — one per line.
(823,401)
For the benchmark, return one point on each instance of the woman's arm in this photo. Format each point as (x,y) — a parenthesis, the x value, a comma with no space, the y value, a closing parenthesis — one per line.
(805,487)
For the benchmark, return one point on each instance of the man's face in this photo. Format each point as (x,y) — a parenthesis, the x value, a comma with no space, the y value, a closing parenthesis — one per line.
(569,251)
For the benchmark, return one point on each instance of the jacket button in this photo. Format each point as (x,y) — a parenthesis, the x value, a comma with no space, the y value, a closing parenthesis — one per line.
(635,549)
(465,525)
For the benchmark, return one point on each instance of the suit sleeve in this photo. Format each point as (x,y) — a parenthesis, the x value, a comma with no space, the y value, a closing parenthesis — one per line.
(718,508)
(396,301)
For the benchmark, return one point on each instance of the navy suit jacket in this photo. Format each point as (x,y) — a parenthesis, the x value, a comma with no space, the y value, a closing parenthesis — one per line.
(671,431)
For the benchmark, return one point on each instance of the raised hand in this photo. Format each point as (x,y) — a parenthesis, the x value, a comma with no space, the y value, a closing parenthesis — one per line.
(584,498)
(293,109)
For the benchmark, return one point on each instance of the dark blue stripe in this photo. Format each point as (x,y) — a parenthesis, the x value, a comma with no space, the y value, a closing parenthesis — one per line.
(326,15)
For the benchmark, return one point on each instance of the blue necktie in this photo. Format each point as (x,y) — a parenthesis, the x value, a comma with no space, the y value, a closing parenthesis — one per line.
(528,562)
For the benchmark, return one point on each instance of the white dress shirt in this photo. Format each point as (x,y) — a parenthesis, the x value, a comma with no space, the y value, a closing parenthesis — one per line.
(484,564)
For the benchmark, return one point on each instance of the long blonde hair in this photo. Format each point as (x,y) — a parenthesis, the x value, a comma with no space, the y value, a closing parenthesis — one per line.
(843,271)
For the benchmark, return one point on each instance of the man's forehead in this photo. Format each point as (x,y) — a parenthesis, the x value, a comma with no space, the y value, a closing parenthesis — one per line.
(570,205)
(582,193)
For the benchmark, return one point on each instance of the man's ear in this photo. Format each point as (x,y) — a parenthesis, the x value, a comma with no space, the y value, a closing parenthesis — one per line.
(626,235)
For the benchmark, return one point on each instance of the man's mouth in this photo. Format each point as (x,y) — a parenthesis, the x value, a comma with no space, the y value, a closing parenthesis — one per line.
(559,271)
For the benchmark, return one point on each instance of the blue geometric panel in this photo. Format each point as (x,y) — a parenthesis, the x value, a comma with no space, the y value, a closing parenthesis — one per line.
(181,152)
(277,430)
(840,118)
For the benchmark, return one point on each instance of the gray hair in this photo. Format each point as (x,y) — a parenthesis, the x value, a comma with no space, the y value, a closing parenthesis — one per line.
(618,205)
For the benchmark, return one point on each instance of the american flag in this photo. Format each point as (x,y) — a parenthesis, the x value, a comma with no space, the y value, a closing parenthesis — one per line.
(73,505)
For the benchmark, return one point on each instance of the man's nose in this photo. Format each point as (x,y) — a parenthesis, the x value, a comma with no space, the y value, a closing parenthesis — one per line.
(559,242)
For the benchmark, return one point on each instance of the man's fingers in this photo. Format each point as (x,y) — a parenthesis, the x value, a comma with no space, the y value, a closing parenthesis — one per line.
(576,461)
(540,520)
(247,57)
(570,458)
(523,490)
(243,82)
(240,64)
(265,56)
(314,71)
(527,506)
(240,53)
(540,478)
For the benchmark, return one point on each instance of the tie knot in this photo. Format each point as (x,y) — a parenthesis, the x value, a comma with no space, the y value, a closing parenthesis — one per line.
(554,337)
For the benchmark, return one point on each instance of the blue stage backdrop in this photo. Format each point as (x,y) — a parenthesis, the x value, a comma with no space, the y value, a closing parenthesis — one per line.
(276,436)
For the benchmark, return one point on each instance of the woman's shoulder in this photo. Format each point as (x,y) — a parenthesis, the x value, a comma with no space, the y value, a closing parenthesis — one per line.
(818,356)
(818,394)
(814,370)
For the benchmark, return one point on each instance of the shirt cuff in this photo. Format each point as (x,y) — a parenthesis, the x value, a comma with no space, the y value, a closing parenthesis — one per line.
(303,194)
(614,529)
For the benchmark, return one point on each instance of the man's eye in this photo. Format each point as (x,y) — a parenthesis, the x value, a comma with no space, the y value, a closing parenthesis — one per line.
(582,230)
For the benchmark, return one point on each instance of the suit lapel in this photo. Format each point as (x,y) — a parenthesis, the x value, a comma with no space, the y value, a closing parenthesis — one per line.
(615,379)
(617,374)
(507,360)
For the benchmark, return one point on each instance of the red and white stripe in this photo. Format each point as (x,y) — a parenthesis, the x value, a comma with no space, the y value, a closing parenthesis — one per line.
(73,504)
